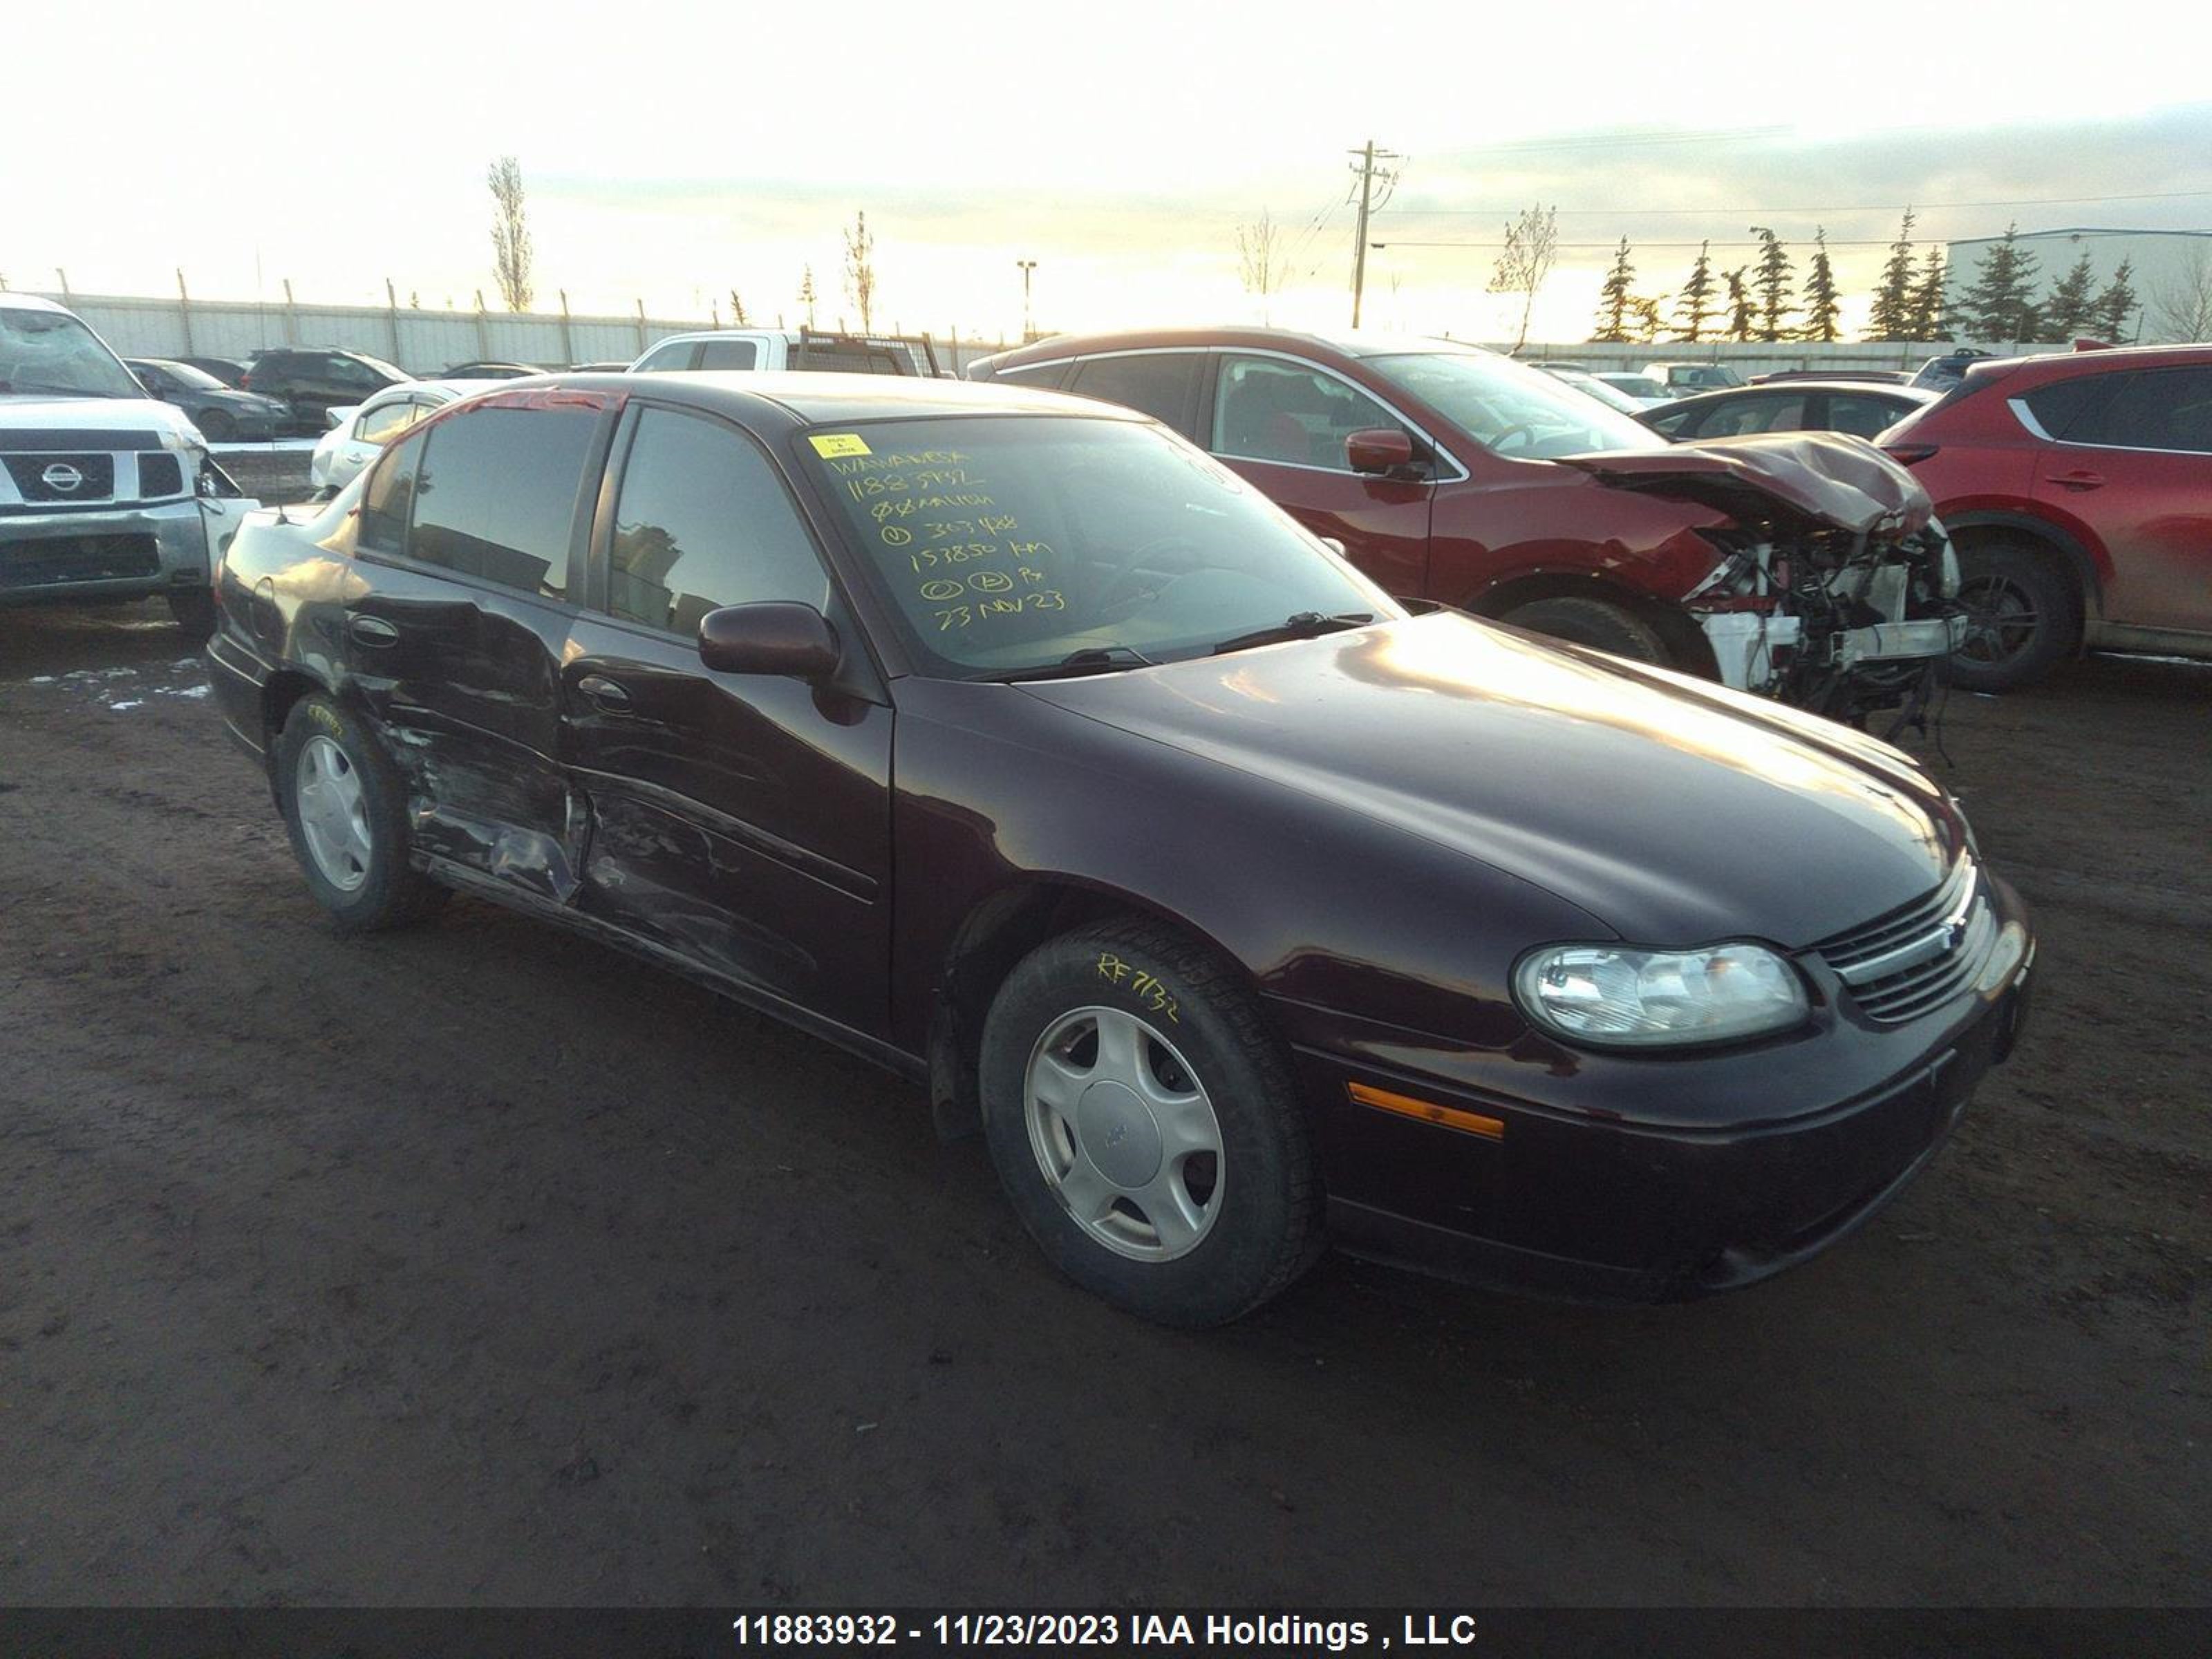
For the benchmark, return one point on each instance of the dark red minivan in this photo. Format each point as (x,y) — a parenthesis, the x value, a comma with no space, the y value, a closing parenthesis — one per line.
(1800,566)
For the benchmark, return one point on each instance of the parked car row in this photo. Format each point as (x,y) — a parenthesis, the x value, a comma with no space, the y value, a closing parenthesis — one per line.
(1016,743)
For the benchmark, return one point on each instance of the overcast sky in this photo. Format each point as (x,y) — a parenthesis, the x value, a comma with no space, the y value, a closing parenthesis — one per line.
(673,151)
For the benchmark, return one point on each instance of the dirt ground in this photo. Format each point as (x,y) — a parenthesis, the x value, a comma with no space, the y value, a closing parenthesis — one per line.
(478,1265)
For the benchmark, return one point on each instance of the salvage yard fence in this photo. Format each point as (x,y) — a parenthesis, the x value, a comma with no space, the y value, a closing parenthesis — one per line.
(421,342)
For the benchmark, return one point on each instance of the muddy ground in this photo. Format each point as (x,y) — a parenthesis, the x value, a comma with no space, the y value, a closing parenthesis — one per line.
(475,1264)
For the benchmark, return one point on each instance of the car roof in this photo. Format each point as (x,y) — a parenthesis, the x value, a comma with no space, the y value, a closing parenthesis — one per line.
(31,302)
(1863,388)
(2148,356)
(454,389)
(807,398)
(1349,344)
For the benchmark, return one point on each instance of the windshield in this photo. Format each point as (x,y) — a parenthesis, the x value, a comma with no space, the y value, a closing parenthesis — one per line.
(1004,543)
(50,353)
(378,363)
(1611,397)
(1510,409)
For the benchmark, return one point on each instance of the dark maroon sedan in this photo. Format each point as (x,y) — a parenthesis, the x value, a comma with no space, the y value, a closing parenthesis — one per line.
(1009,740)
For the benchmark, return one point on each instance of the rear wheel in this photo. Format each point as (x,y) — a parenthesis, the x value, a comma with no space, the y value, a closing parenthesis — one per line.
(1147,1125)
(1599,623)
(2022,616)
(345,806)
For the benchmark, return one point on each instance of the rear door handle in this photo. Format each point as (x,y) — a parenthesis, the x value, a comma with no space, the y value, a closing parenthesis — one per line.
(2078,480)
(610,697)
(372,631)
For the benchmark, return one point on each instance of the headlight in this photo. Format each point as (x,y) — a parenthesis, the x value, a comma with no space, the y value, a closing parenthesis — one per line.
(1605,995)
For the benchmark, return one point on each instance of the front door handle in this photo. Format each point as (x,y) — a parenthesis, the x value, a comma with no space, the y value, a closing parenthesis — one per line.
(372,631)
(2079,480)
(609,697)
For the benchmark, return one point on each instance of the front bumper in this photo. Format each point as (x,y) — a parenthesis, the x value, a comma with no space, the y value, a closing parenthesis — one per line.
(1594,1206)
(119,552)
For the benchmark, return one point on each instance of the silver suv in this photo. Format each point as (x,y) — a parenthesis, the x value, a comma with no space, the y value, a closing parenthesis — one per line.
(105,492)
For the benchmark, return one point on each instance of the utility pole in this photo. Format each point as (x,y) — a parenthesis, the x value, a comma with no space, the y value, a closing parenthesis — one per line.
(1367,173)
(1029,325)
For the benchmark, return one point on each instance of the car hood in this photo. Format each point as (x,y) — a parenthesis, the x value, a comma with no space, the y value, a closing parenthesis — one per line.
(1825,477)
(123,416)
(1675,813)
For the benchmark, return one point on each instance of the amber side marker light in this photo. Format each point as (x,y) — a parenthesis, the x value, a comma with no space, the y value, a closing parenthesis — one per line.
(1427,1111)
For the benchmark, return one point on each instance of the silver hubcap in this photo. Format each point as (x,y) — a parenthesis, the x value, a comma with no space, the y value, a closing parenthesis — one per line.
(1125,1133)
(333,819)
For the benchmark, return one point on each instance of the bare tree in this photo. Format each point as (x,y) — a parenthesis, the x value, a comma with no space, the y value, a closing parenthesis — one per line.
(510,234)
(860,271)
(1532,248)
(1260,258)
(807,295)
(737,309)
(2182,303)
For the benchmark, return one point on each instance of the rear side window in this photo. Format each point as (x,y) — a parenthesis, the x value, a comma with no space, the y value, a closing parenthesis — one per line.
(2168,408)
(702,521)
(1855,413)
(728,354)
(496,495)
(1676,422)
(1160,384)
(1781,413)
(385,422)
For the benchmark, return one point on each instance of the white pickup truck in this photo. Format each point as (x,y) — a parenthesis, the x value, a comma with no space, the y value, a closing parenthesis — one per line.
(791,348)
(105,492)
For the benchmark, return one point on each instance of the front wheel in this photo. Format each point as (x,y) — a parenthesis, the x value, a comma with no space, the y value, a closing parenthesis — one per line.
(217,427)
(346,808)
(1147,1126)
(1599,623)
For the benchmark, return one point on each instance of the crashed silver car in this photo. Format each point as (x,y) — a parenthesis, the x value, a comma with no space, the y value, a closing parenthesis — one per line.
(105,492)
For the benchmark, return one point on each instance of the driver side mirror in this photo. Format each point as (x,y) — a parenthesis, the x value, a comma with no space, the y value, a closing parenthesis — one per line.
(772,637)
(1379,451)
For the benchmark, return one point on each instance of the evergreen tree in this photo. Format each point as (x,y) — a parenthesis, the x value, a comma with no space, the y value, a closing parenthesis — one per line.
(1773,283)
(1924,316)
(1742,312)
(1693,310)
(2070,309)
(1614,298)
(1821,306)
(2117,305)
(2000,306)
(1890,318)
(1648,320)
(807,294)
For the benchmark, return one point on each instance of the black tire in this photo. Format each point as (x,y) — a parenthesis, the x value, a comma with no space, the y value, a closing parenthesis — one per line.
(193,608)
(1264,1225)
(388,892)
(217,427)
(2024,615)
(1599,623)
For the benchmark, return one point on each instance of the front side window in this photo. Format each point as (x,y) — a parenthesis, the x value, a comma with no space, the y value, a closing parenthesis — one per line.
(1007,542)
(1863,417)
(676,354)
(2168,408)
(52,353)
(1265,410)
(496,494)
(703,521)
(1157,383)
(386,421)
(729,353)
(1514,410)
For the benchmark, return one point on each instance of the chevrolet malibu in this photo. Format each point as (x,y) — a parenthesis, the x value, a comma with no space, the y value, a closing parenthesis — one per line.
(1009,740)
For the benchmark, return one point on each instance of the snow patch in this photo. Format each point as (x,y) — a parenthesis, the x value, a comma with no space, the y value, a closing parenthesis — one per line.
(135,702)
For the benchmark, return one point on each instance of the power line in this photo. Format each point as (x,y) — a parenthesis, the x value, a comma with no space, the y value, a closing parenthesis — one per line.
(1869,207)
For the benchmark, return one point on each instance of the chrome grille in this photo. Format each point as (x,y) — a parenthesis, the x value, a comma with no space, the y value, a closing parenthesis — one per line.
(76,476)
(1901,965)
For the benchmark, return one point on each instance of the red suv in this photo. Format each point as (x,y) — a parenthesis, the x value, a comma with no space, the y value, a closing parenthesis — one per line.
(1799,566)
(2078,488)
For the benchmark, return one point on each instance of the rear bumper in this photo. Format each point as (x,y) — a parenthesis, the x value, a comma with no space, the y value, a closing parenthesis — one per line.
(1594,1210)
